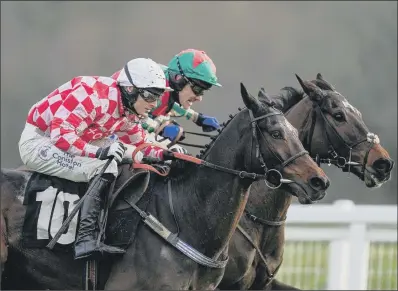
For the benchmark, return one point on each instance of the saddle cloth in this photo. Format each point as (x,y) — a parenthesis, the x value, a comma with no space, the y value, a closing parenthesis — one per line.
(49,200)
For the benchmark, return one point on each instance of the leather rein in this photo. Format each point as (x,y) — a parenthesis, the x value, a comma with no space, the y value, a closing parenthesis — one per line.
(241,174)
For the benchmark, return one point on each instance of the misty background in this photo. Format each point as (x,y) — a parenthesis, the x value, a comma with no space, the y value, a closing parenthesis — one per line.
(353,44)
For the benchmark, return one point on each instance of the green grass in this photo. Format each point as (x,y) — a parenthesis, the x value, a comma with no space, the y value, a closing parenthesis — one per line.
(305,265)
(383,266)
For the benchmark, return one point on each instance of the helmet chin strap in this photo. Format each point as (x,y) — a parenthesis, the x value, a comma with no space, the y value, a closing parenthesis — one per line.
(175,96)
(177,86)
(128,99)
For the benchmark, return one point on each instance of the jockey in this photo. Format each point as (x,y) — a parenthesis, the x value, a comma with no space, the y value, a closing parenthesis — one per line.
(61,131)
(190,74)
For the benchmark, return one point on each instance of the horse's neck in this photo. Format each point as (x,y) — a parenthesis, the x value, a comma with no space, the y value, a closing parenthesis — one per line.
(300,117)
(311,128)
(212,201)
(268,204)
(276,234)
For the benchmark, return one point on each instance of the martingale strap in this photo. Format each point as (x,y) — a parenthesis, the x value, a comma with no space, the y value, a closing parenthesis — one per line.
(175,241)
(90,275)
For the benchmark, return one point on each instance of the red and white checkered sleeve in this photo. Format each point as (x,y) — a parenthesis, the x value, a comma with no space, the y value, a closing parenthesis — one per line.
(75,114)
(136,136)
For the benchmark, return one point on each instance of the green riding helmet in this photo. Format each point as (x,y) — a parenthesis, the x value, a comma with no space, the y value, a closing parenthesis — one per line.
(194,64)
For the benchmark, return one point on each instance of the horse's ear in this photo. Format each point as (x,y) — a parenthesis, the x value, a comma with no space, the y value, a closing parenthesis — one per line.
(249,100)
(312,90)
(320,77)
(262,94)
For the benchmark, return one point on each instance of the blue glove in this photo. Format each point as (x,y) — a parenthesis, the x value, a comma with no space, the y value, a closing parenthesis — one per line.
(207,123)
(171,132)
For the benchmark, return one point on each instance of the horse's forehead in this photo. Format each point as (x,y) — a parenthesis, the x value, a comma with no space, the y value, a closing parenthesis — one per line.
(347,104)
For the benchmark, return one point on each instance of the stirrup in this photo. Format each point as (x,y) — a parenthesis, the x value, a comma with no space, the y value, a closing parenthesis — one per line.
(91,248)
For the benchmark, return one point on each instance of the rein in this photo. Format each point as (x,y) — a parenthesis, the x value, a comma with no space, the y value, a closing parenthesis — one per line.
(240,174)
(195,145)
(188,158)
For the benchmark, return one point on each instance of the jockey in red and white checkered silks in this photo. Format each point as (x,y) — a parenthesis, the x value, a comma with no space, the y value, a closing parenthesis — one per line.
(64,132)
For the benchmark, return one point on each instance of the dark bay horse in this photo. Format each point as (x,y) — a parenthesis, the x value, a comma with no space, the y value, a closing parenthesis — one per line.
(332,130)
(201,205)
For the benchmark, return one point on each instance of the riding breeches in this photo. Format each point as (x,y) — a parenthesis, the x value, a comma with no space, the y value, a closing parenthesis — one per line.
(39,154)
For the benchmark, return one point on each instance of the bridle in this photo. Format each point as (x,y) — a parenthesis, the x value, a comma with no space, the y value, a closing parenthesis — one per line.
(267,171)
(258,156)
(333,157)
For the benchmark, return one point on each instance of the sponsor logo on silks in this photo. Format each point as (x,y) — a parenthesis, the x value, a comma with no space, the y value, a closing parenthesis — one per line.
(44,154)
(63,159)
(66,160)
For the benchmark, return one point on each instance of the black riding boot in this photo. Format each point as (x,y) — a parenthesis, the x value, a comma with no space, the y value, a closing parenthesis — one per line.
(86,240)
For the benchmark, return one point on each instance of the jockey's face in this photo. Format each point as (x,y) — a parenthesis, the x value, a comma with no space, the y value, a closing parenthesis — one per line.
(143,107)
(187,97)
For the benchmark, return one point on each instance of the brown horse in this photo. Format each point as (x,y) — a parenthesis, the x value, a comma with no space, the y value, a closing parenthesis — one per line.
(333,131)
(199,205)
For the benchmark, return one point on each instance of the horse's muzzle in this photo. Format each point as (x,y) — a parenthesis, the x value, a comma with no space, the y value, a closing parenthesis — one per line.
(383,166)
(319,183)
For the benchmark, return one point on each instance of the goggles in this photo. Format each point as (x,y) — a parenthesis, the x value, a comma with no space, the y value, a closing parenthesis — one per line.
(198,87)
(150,94)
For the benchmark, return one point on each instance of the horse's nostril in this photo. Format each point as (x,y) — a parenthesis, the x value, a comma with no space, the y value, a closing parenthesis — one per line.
(318,183)
(383,165)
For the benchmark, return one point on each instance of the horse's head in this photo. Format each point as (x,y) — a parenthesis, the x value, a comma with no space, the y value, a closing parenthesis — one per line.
(271,144)
(349,144)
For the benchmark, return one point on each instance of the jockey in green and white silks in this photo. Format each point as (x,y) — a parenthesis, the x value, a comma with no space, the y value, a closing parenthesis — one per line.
(190,73)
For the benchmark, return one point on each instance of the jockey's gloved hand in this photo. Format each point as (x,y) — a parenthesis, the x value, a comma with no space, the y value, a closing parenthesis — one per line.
(207,123)
(168,155)
(171,131)
(115,150)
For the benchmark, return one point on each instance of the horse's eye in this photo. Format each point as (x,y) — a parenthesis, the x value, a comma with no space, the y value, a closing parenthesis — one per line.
(276,134)
(339,116)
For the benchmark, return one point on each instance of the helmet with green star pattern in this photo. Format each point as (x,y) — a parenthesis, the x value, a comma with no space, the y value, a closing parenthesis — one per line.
(194,64)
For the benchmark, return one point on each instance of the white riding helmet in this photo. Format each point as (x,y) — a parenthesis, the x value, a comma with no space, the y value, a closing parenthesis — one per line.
(143,73)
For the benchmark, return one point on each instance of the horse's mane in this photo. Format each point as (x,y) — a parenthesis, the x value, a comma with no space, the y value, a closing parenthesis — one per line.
(263,101)
(213,139)
(179,167)
(294,96)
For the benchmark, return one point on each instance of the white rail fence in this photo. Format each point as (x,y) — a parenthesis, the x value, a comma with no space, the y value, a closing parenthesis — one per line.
(341,246)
